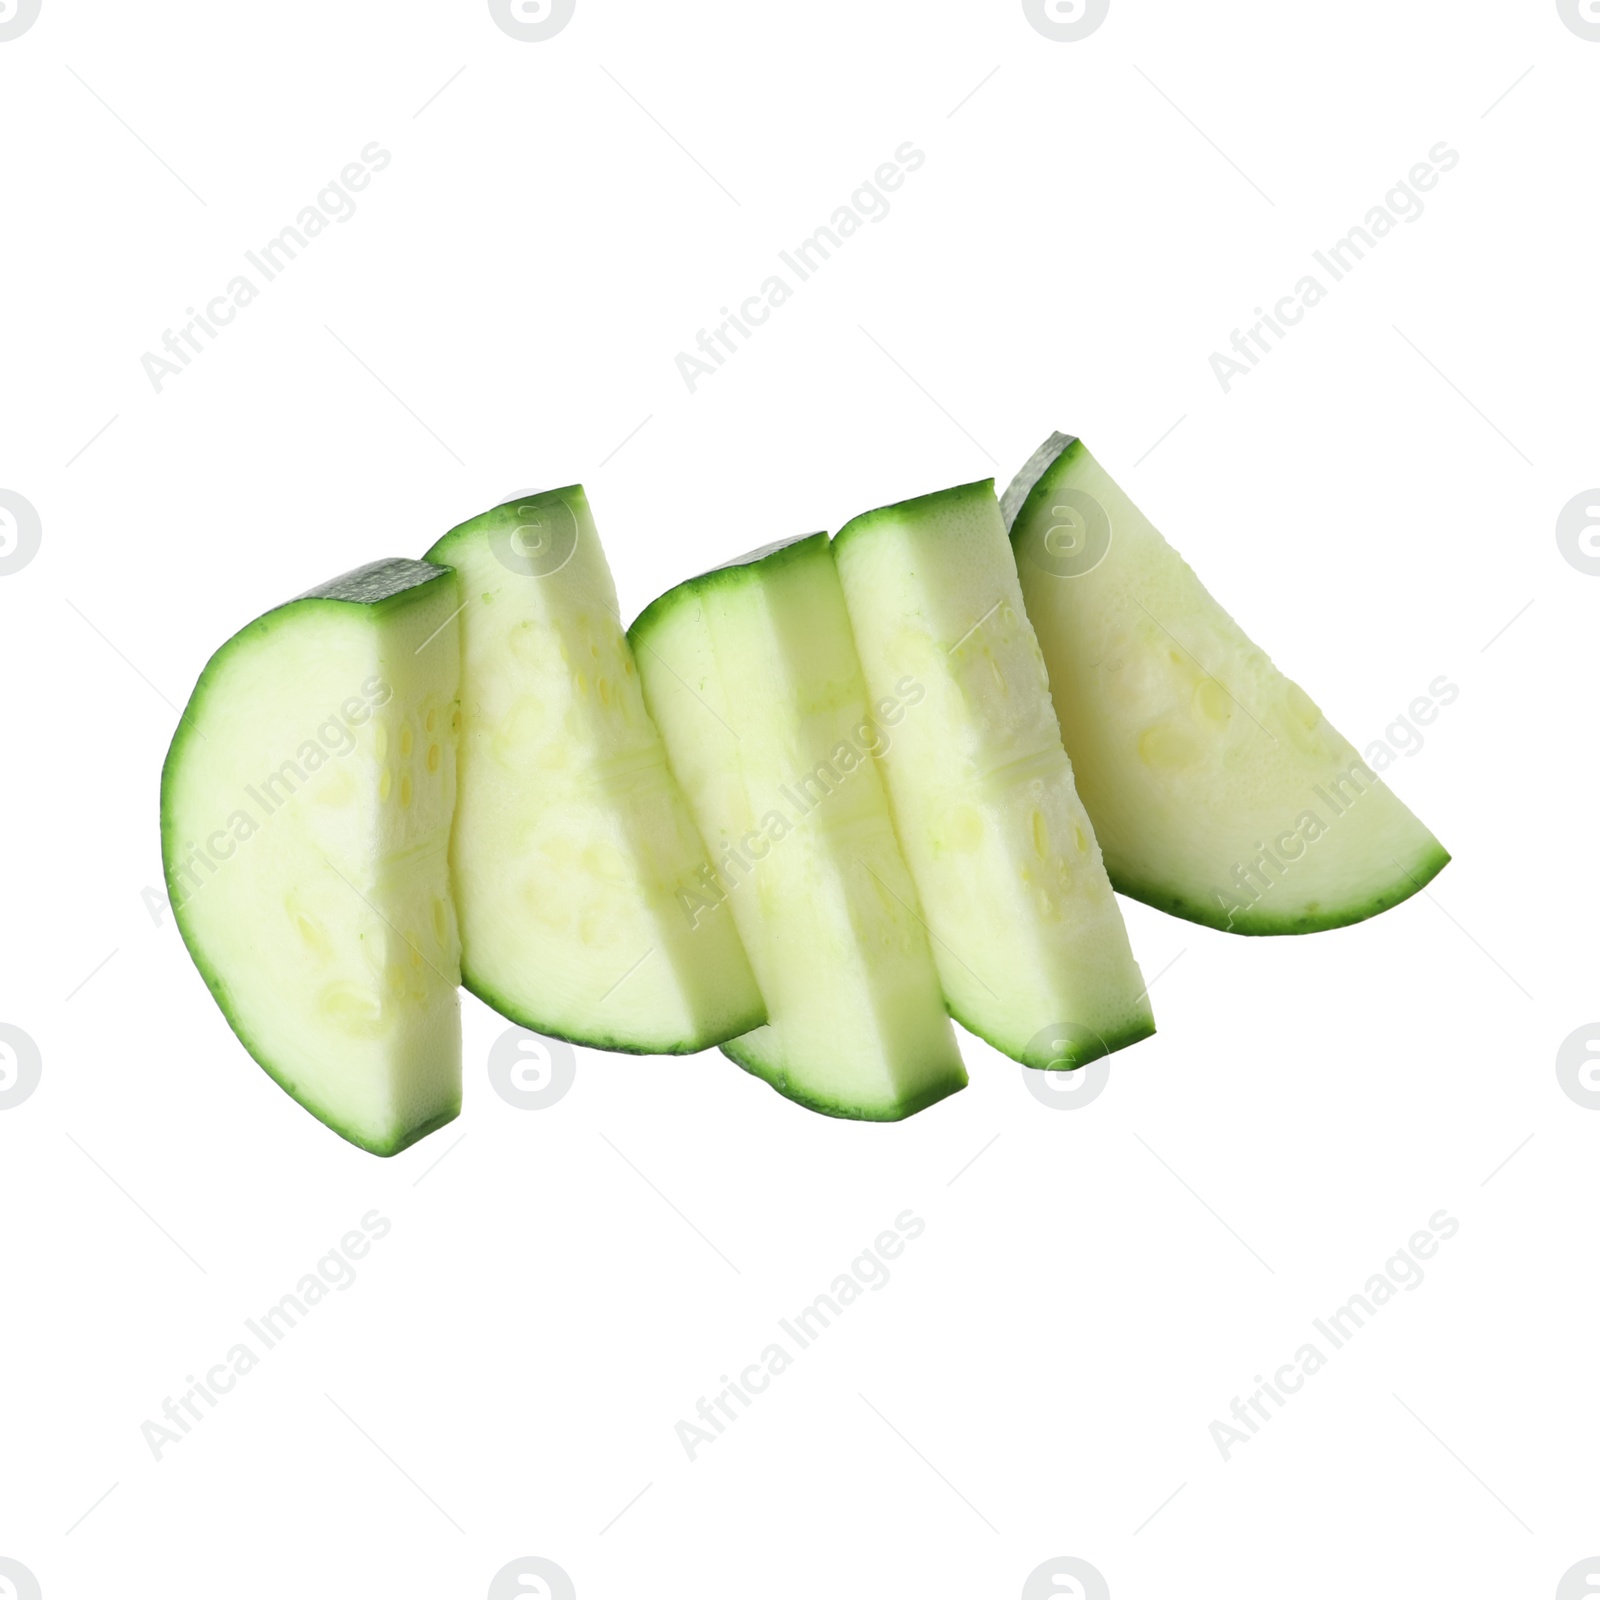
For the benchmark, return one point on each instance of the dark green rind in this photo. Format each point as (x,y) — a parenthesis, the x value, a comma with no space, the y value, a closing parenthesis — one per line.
(1034,479)
(376,592)
(405,1141)
(982,489)
(596,1041)
(488,520)
(1143,1029)
(834,1108)
(1251,924)
(740,570)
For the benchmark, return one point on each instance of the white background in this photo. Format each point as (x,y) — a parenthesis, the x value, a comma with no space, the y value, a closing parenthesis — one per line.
(1376,502)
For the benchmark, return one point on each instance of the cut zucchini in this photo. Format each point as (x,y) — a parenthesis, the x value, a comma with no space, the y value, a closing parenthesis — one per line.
(305,819)
(751,673)
(1219,791)
(573,845)
(1027,935)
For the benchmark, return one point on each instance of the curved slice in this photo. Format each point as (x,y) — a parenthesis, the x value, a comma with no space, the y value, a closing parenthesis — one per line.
(751,673)
(305,818)
(1027,934)
(1219,791)
(573,846)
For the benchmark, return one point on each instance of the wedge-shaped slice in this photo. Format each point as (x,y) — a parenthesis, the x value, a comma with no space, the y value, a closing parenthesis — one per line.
(751,673)
(1027,935)
(305,821)
(1219,791)
(572,842)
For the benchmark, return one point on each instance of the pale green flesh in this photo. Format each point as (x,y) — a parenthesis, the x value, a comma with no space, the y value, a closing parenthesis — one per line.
(306,808)
(1027,934)
(1218,790)
(752,676)
(573,844)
